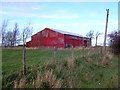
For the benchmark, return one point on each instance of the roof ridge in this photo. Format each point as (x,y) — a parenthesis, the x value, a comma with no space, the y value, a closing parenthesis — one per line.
(66,32)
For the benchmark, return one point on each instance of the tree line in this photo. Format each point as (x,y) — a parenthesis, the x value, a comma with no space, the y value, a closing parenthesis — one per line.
(9,37)
(92,34)
(12,37)
(114,39)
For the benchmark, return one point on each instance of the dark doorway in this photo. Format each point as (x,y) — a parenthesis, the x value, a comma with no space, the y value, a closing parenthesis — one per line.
(68,46)
(85,43)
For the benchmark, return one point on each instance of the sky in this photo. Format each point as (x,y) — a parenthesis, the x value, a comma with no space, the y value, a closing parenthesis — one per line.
(75,17)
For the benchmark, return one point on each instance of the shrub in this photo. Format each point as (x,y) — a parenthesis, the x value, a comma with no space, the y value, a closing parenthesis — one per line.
(115,41)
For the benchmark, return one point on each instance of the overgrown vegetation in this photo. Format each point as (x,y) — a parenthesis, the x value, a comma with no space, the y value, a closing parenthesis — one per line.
(87,69)
(115,41)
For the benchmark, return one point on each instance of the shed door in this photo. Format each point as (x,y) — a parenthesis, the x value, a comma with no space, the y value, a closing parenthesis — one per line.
(85,43)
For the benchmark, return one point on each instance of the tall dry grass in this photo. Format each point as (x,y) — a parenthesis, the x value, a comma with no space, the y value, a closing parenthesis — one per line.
(71,62)
(48,78)
(74,72)
(21,84)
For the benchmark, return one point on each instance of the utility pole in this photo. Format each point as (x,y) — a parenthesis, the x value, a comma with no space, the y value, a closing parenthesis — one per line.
(106,29)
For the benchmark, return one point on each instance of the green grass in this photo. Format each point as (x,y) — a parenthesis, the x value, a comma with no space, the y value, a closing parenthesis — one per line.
(12,58)
(84,73)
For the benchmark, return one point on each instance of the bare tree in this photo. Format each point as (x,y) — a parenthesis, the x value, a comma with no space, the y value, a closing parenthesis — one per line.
(90,35)
(27,31)
(16,34)
(3,30)
(96,37)
(8,39)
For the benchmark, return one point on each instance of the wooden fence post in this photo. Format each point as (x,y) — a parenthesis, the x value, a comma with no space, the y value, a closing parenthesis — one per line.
(24,60)
(72,52)
(55,50)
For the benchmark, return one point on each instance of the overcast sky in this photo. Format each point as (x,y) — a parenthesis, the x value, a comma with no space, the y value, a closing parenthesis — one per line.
(76,17)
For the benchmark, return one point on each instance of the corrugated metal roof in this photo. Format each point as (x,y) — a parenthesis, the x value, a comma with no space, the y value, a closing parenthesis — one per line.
(65,32)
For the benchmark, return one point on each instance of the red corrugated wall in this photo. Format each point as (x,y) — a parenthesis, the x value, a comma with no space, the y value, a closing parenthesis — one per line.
(50,38)
(73,40)
(47,38)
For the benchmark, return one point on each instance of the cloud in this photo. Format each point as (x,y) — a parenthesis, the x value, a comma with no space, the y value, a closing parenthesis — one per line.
(100,23)
(59,0)
(58,16)
(53,14)
(3,12)
(111,22)
(39,25)
(93,14)
(61,25)
(80,24)
(12,21)
(86,24)
(42,15)
(35,8)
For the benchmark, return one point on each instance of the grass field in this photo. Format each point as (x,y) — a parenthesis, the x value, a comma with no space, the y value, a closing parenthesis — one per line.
(88,69)
(12,58)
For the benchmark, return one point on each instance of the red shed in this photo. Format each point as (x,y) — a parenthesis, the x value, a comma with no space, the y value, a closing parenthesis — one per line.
(56,38)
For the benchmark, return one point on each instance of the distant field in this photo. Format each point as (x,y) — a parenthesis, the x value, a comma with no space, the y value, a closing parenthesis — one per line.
(85,70)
